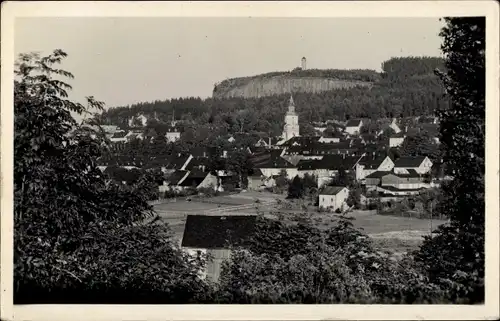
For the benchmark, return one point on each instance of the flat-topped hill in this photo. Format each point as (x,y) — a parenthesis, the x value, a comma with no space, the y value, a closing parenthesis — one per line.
(306,81)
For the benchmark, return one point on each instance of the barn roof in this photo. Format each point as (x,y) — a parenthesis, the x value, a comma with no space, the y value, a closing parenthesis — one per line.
(409,161)
(331,190)
(217,232)
(176,177)
(372,161)
(353,123)
(121,134)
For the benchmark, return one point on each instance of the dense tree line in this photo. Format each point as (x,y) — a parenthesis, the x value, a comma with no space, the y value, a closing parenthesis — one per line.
(408,88)
(398,68)
(76,231)
(462,130)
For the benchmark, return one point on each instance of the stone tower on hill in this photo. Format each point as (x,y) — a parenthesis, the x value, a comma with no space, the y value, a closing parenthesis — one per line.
(291,128)
(304,63)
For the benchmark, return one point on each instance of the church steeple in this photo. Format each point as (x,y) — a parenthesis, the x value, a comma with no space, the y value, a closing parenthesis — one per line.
(291,106)
(291,128)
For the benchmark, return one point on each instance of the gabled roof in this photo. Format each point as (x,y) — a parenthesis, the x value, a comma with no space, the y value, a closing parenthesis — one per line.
(411,173)
(409,161)
(301,140)
(308,164)
(194,178)
(274,140)
(275,162)
(257,150)
(170,130)
(256,173)
(353,123)
(176,161)
(335,134)
(199,152)
(337,162)
(395,189)
(175,177)
(331,190)
(121,134)
(322,148)
(379,174)
(270,159)
(401,134)
(196,162)
(217,232)
(372,161)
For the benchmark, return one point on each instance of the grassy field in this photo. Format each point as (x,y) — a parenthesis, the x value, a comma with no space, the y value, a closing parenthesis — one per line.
(174,213)
(398,234)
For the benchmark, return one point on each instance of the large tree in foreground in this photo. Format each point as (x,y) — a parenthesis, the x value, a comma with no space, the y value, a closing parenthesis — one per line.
(457,252)
(79,238)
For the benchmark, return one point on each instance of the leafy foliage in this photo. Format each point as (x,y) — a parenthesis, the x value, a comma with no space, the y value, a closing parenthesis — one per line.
(421,144)
(296,188)
(456,253)
(295,262)
(78,235)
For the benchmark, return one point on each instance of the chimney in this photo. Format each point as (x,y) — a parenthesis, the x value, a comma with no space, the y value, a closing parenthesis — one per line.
(406,129)
(269,141)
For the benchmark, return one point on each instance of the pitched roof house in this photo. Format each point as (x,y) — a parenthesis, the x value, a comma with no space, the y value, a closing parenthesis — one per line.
(371,163)
(119,136)
(216,235)
(353,126)
(176,161)
(301,141)
(327,166)
(396,184)
(176,177)
(199,179)
(333,197)
(422,164)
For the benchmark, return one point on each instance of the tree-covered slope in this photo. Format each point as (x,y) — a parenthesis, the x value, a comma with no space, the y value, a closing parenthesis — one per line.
(407,86)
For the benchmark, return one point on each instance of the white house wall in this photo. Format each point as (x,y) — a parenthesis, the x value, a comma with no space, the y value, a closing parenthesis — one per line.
(396,141)
(334,202)
(210,181)
(173,136)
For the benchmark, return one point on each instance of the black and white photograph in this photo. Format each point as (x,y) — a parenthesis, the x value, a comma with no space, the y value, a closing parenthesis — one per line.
(243,159)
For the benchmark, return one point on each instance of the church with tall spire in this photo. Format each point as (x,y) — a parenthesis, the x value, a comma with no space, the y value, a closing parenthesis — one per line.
(291,128)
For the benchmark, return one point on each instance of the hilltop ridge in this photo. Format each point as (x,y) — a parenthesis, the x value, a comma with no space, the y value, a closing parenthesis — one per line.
(407,86)
(297,80)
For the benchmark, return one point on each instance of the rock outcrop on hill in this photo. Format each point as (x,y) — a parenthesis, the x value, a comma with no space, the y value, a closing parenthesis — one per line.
(283,84)
(305,81)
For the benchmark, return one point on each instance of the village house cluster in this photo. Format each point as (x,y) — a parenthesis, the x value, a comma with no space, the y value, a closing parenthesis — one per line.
(322,156)
(348,149)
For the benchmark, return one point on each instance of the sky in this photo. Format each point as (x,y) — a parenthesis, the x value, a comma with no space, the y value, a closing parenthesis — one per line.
(122,61)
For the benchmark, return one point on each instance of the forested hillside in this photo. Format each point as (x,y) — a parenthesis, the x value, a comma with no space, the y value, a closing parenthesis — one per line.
(407,86)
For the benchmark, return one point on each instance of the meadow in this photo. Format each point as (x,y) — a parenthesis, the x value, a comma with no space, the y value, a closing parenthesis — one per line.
(393,233)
